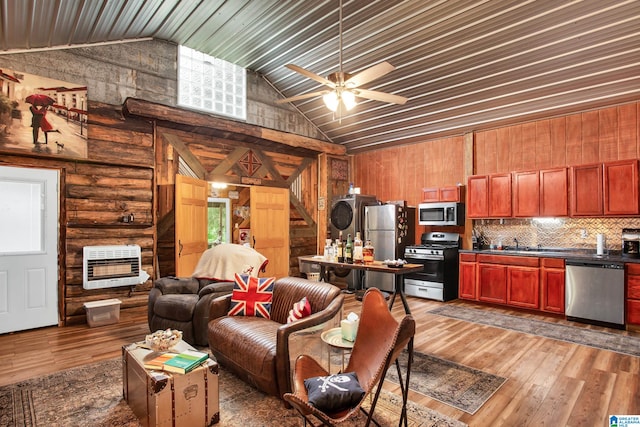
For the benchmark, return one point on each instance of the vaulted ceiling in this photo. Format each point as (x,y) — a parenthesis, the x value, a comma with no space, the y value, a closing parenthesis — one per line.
(464,64)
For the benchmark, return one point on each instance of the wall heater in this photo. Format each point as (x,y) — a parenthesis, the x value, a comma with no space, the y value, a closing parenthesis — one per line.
(112,266)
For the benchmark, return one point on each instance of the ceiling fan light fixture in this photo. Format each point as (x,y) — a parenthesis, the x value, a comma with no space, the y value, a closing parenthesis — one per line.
(331,100)
(349,99)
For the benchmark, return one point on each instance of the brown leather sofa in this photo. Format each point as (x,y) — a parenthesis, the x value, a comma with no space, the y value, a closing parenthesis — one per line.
(257,349)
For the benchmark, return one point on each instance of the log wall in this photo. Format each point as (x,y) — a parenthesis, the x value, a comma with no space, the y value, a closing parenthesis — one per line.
(116,180)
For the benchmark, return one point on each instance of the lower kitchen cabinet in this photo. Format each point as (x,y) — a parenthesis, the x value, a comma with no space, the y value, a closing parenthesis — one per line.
(633,293)
(467,277)
(492,283)
(552,285)
(523,284)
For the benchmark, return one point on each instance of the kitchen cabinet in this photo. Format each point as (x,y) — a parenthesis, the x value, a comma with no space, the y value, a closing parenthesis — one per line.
(523,285)
(467,277)
(478,196)
(554,192)
(500,195)
(541,193)
(605,189)
(632,277)
(510,280)
(489,196)
(552,275)
(526,194)
(454,193)
(492,283)
(621,188)
(586,190)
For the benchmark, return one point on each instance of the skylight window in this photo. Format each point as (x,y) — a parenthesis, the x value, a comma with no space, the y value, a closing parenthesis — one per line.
(211,84)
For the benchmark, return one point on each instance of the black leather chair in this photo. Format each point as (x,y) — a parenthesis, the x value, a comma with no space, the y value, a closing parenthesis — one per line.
(184,303)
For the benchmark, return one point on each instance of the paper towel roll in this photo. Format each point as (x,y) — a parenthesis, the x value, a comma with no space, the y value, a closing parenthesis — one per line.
(600,244)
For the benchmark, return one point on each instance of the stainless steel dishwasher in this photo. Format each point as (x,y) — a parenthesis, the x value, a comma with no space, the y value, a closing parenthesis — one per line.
(594,292)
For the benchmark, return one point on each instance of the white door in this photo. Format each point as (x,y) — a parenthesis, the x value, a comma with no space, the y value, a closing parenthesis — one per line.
(28,248)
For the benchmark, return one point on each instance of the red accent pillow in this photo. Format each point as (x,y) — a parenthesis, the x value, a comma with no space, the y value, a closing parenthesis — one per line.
(252,296)
(300,309)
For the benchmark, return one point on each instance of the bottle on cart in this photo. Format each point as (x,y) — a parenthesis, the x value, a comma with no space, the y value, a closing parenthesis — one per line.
(340,248)
(328,256)
(367,252)
(348,250)
(357,249)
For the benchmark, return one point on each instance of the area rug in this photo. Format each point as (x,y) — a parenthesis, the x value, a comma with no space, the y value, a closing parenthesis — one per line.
(91,395)
(448,382)
(588,337)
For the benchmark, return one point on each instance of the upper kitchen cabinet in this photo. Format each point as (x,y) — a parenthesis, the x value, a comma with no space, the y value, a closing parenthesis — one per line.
(489,196)
(621,188)
(454,193)
(605,189)
(526,194)
(500,195)
(586,190)
(554,192)
(540,193)
(478,196)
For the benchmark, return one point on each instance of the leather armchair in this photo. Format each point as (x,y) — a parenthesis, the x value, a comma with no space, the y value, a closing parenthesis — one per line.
(183,304)
(258,350)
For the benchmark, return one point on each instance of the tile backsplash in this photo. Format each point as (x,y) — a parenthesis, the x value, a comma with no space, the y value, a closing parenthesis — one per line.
(555,232)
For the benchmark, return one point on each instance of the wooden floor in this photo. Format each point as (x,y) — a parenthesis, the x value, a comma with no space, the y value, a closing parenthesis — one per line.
(550,383)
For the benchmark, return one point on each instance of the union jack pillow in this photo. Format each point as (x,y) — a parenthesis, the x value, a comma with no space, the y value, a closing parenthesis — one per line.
(251,296)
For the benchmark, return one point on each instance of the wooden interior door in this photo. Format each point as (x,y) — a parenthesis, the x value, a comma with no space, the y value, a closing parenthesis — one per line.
(270,228)
(191,223)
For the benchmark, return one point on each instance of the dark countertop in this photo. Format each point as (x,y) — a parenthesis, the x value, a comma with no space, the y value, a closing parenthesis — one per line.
(566,254)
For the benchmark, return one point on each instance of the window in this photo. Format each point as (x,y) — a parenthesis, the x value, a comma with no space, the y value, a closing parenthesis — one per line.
(210,84)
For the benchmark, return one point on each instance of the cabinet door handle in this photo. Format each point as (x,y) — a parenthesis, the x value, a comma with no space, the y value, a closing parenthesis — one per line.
(180,246)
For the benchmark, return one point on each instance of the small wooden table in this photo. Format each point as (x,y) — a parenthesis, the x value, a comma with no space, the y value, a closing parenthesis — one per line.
(376,266)
(160,398)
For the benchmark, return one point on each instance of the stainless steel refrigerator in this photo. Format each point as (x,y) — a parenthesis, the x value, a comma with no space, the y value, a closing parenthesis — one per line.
(390,228)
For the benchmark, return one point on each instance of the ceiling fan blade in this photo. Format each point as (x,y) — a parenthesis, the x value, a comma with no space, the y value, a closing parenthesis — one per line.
(301,97)
(310,75)
(380,96)
(369,74)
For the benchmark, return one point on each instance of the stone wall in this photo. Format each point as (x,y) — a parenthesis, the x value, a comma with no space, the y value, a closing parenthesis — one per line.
(148,70)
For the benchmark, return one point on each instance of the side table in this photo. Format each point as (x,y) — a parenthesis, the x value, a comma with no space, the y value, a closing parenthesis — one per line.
(333,338)
(160,398)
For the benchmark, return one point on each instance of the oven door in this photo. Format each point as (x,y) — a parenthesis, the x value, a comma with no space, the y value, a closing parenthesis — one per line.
(432,268)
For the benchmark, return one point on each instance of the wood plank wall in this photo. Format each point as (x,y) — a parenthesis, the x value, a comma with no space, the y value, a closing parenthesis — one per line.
(593,136)
(400,173)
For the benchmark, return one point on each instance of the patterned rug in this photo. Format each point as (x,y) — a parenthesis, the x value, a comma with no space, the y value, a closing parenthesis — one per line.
(603,340)
(456,385)
(91,395)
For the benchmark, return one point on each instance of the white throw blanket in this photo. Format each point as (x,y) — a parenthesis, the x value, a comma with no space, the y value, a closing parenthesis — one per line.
(223,261)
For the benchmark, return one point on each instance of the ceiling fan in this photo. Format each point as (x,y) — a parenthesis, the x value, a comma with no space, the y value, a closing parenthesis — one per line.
(345,87)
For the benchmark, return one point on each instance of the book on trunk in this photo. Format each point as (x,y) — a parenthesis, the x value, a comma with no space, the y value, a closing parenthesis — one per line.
(185,362)
(157,363)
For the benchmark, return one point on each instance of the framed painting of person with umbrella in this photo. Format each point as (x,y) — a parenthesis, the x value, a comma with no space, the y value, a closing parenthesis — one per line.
(42,115)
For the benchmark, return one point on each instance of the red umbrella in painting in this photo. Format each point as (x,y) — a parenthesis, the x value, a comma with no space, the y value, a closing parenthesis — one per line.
(38,99)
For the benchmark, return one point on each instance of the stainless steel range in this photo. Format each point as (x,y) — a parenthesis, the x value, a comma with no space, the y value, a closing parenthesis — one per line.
(438,253)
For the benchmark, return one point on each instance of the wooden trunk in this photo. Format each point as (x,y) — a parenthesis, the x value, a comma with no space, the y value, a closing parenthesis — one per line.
(162,399)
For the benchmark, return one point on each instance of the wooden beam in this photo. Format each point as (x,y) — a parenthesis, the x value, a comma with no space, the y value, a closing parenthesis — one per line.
(230,129)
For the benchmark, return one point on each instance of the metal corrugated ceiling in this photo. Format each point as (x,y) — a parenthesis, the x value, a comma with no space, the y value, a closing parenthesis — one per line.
(464,65)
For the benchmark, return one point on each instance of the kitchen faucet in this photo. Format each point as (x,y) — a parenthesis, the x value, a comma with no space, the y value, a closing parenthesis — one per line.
(516,240)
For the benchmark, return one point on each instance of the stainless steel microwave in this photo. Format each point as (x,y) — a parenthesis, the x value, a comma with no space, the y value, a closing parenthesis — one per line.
(447,213)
